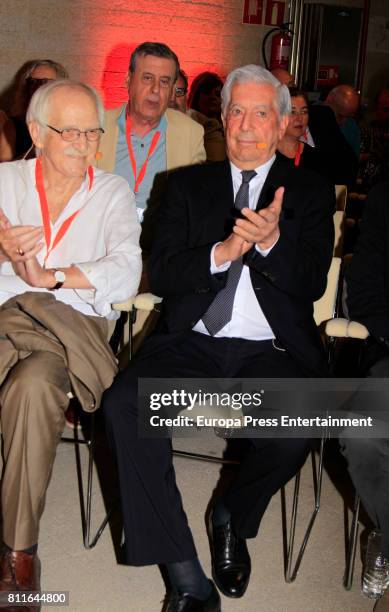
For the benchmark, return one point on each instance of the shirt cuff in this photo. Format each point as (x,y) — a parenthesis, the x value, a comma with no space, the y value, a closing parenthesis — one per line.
(265,252)
(97,295)
(214,268)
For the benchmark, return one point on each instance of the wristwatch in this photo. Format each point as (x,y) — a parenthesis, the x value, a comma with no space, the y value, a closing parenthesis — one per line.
(60,278)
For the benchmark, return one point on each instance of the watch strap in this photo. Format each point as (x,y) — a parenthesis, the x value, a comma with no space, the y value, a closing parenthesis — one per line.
(57,285)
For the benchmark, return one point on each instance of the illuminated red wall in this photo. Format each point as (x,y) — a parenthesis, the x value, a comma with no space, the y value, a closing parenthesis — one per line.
(205,36)
(93,38)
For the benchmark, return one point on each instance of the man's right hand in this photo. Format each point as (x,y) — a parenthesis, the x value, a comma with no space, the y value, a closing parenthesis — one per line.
(231,249)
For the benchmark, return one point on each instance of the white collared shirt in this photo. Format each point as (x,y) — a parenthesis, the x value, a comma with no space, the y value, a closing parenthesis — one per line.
(247,321)
(102,241)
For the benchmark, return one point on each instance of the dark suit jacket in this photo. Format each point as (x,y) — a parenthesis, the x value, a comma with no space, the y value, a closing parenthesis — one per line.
(368,273)
(339,161)
(198,212)
(313,160)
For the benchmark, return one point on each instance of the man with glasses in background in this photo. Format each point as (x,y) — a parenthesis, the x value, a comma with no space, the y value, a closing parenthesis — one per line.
(179,99)
(69,249)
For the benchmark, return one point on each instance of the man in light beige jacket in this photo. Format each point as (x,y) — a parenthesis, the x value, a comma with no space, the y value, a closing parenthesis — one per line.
(144,139)
(184,140)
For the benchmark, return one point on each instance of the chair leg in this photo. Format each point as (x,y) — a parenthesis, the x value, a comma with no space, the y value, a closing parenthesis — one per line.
(86,500)
(352,545)
(291,574)
(131,323)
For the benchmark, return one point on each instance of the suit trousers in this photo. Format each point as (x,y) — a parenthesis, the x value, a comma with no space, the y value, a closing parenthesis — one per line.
(368,458)
(155,524)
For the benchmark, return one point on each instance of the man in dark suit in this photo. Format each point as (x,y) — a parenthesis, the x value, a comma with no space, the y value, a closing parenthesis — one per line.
(340,159)
(368,303)
(241,253)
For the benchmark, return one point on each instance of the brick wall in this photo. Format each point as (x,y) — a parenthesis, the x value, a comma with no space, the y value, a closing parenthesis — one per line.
(93,39)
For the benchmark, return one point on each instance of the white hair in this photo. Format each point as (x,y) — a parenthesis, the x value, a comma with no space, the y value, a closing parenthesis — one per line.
(40,101)
(252,73)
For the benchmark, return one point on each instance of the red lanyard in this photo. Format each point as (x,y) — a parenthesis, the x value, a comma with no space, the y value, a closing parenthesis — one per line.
(297,157)
(45,209)
(139,178)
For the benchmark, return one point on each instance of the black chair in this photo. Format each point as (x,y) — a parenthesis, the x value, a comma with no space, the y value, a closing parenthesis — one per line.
(325,309)
(341,328)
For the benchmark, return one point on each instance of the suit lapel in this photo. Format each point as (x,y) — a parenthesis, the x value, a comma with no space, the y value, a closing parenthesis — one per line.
(277,177)
(220,193)
(219,197)
(174,144)
(219,186)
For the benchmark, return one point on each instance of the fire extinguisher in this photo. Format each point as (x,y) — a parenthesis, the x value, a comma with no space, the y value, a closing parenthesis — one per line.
(281,45)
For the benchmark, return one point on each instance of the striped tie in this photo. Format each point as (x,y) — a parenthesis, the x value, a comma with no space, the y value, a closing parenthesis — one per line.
(219,312)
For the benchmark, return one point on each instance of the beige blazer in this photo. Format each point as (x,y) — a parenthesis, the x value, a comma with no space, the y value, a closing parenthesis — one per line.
(184,140)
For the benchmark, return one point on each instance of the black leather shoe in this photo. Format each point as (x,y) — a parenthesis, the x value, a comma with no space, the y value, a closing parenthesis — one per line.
(187,603)
(231,565)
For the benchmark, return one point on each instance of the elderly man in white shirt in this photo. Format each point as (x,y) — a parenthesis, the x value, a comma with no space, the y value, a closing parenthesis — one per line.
(69,249)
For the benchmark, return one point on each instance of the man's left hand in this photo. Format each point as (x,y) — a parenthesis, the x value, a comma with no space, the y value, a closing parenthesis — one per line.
(261,227)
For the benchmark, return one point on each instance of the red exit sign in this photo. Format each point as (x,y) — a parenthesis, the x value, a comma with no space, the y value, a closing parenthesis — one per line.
(275,13)
(252,11)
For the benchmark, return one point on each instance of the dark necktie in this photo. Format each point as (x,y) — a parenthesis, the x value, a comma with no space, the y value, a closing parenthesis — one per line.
(219,312)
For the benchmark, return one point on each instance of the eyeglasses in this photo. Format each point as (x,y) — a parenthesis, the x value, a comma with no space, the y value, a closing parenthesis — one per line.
(72,134)
(180,91)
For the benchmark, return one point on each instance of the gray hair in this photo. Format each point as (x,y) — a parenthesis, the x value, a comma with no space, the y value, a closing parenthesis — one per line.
(252,73)
(39,105)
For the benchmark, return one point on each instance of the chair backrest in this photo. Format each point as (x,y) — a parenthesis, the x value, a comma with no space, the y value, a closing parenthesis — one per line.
(344,328)
(341,197)
(324,309)
(339,224)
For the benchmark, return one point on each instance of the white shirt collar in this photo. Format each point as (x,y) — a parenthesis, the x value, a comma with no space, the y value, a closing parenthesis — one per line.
(262,171)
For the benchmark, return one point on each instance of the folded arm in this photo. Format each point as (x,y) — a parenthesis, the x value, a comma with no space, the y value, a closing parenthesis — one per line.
(111,277)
